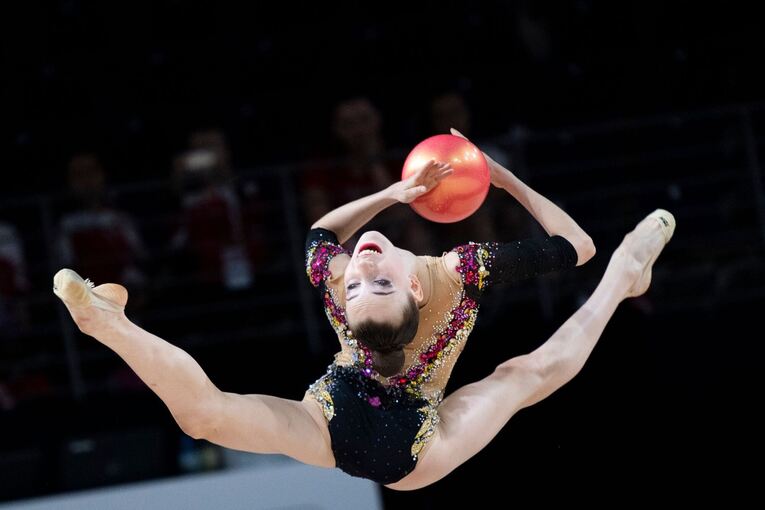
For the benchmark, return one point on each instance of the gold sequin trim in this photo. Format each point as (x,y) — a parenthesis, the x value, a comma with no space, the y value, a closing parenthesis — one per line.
(320,391)
(430,421)
(482,254)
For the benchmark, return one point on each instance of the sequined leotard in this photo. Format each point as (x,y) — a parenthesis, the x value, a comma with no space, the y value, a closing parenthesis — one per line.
(379,425)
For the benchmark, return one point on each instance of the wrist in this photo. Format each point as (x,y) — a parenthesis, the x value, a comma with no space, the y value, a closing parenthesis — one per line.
(392,194)
(503,177)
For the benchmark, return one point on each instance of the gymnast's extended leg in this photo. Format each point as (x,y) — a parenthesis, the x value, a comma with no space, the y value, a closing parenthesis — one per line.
(474,414)
(255,423)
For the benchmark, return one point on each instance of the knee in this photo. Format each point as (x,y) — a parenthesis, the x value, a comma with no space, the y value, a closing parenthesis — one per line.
(524,364)
(198,423)
(195,428)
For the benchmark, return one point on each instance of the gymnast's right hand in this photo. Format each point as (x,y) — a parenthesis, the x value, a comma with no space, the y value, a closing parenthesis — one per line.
(420,182)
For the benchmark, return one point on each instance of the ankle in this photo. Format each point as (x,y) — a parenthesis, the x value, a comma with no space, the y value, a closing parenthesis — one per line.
(617,281)
(113,331)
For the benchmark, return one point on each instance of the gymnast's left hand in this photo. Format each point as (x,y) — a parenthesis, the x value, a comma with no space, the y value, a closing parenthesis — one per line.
(497,172)
(420,182)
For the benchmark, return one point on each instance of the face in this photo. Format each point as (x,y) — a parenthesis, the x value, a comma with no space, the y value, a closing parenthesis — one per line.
(378,281)
(450,110)
(86,177)
(213,140)
(357,123)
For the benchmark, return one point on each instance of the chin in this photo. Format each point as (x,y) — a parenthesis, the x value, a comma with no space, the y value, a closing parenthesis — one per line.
(375,236)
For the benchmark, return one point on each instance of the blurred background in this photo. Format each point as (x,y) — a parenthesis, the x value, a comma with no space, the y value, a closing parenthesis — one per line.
(183,149)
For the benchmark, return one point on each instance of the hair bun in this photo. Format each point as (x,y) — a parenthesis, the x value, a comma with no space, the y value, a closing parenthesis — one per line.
(388,362)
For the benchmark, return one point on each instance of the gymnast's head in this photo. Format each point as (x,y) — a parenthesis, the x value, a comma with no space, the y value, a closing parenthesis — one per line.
(381,297)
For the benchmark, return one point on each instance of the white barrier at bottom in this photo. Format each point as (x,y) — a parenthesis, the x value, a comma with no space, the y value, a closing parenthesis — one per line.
(286,485)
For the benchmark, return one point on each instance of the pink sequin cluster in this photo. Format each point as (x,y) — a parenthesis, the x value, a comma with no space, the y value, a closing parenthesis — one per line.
(335,314)
(461,323)
(317,261)
(475,259)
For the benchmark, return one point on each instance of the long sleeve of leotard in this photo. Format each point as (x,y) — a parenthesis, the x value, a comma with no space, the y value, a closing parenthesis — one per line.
(485,264)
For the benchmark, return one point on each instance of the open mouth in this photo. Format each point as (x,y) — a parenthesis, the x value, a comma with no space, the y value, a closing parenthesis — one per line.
(368,248)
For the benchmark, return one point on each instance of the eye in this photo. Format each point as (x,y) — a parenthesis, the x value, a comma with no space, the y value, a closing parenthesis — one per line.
(351,286)
(383,282)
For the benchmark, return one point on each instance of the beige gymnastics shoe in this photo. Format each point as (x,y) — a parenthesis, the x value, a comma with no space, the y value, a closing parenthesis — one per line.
(79,293)
(646,243)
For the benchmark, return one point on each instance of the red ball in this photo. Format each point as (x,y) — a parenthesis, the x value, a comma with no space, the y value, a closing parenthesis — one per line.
(460,194)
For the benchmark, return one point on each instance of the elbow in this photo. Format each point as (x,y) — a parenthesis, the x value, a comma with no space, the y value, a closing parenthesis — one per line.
(585,249)
(323,225)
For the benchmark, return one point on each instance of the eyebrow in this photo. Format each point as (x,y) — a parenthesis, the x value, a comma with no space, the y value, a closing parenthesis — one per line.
(378,293)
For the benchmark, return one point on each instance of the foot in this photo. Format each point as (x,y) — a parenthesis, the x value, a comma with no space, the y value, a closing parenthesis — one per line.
(92,308)
(640,249)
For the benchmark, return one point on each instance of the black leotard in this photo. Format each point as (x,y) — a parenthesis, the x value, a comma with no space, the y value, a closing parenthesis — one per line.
(378,425)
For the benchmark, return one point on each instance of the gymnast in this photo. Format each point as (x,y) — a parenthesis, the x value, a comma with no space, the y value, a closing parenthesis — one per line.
(380,411)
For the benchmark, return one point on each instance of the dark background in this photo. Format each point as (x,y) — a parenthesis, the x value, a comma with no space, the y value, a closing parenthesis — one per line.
(611,109)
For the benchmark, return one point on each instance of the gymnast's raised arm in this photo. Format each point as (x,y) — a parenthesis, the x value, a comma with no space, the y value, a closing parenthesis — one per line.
(551,217)
(347,219)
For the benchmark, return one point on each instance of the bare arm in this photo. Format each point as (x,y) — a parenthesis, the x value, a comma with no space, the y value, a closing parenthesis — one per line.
(552,218)
(349,218)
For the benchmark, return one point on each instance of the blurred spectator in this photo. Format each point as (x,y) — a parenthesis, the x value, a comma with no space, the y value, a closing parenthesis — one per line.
(220,226)
(450,110)
(95,239)
(13,281)
(214,140)
(361,167)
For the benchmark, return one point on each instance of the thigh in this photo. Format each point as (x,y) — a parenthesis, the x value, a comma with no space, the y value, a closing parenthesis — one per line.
(266,424)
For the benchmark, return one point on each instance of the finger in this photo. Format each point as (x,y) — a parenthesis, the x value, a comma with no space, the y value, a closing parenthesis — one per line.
(443,175)
(418,173)
(440,167)
(427,166)
(433,167)
(457,133)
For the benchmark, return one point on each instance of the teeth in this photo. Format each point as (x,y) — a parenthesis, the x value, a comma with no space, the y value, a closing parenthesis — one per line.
(367,251)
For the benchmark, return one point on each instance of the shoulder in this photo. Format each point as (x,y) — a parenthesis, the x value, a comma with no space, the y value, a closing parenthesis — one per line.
(447,265)
(451,262)
(471,262)
(338,264)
